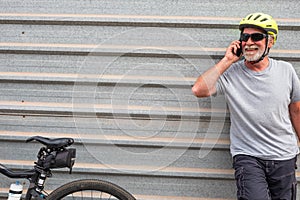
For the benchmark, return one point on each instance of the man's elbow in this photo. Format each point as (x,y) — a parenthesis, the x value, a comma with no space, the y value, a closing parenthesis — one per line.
(294,109)
(200,92)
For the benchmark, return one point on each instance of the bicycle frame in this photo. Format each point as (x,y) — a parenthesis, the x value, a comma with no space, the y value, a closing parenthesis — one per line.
(36,180)
(54,154)
(41,171)
(11,174)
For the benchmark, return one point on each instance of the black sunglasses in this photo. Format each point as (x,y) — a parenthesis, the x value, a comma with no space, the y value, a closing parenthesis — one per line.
(254,37)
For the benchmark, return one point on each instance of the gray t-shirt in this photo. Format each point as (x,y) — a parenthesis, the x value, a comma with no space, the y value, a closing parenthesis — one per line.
(258,104)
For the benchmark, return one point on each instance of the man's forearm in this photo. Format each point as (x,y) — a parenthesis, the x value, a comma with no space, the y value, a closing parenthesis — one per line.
(206,83)
(295,117)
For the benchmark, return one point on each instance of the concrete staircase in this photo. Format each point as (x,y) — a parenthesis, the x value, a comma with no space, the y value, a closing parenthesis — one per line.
(117,77)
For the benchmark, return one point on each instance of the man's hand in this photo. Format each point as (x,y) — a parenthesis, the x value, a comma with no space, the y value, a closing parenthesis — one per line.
(206,83)
(232,50)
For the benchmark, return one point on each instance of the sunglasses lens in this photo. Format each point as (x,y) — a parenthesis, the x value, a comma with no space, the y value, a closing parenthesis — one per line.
(245,37)
(257,36)
(254,37)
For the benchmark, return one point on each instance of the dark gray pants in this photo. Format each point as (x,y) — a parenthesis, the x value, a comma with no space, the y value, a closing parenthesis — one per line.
(258,179)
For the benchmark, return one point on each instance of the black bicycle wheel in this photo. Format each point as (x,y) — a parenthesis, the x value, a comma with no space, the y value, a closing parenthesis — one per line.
(90,189)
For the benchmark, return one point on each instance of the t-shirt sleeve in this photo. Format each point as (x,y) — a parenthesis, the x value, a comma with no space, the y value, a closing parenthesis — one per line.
(223,82)
(225,79)
(220,86)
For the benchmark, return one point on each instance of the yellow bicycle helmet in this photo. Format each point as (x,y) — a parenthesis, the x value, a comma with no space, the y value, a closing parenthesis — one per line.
(261,21)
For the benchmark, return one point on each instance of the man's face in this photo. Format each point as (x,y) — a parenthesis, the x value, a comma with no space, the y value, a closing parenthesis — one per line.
(252,49)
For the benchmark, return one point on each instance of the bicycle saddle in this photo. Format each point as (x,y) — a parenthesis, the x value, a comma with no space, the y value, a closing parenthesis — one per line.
(52,143)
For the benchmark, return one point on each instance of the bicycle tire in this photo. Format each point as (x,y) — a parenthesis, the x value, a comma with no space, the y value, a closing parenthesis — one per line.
(80,188)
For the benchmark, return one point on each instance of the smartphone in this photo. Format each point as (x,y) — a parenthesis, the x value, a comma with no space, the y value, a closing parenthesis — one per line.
(239,50)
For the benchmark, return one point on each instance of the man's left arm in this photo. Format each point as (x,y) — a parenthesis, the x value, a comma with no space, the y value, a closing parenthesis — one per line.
(294,109)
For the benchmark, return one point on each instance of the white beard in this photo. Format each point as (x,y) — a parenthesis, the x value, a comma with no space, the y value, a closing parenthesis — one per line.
(250,56)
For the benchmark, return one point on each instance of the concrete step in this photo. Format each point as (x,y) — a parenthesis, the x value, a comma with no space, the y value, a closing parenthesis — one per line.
(119,50)
(111,150)
(85,110)
(154,184)
(131,20)
(153,8)
(139,181)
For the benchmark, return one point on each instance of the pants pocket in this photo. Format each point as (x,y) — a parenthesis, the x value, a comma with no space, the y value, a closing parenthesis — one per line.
(239,177)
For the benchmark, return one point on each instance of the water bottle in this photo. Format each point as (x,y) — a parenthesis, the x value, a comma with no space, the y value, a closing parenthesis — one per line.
(15,191)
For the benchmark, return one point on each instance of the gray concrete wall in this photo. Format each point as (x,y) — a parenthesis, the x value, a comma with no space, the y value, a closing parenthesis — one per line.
(117,76)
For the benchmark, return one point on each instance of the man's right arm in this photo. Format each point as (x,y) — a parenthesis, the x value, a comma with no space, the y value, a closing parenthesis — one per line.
(205,85)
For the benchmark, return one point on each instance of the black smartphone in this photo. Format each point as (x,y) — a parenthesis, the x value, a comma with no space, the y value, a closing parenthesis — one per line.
(239,50)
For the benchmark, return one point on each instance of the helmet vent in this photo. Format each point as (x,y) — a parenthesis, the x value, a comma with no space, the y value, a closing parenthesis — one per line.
(249,17)
(258,16)
(265,19)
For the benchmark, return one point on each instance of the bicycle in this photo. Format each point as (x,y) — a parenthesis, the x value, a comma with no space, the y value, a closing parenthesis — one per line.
(55,154)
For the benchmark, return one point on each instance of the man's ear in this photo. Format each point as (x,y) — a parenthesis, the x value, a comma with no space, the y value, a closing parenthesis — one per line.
(271,41)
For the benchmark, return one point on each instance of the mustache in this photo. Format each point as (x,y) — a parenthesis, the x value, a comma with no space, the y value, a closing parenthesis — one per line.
(251,47)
